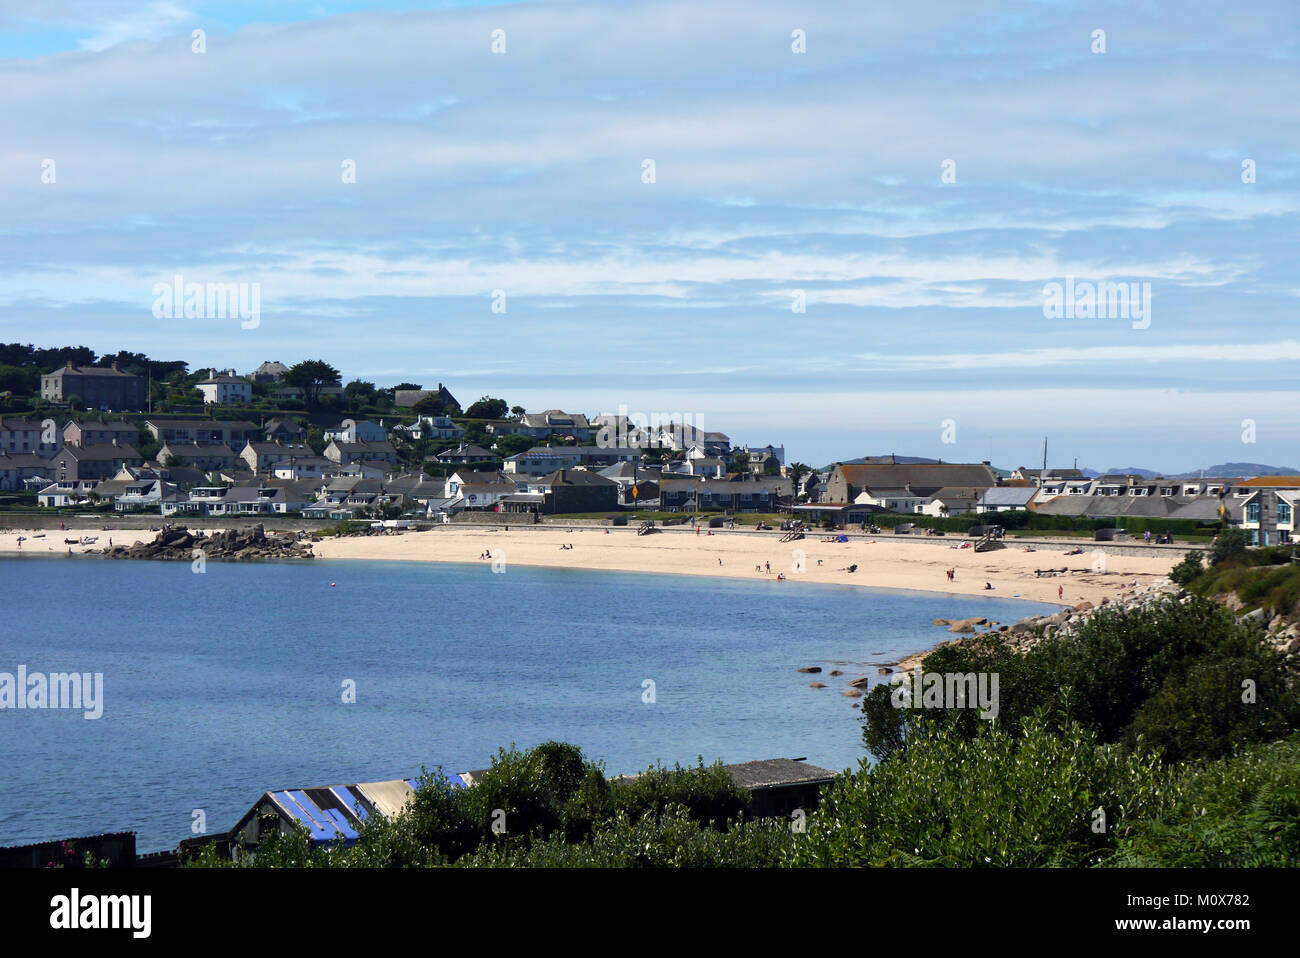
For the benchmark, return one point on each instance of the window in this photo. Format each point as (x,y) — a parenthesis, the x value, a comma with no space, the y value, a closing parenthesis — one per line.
(1284,512)
(1252,512)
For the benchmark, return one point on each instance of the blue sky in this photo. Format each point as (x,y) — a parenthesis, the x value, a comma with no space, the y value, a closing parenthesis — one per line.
(775,172)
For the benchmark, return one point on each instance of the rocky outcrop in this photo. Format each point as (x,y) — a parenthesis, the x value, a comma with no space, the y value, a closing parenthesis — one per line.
(179,544)
(1027,633)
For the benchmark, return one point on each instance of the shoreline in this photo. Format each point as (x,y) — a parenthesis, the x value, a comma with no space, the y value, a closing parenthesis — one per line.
(880,563)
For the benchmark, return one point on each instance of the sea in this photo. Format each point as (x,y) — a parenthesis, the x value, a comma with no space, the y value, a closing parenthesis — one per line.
(219,686)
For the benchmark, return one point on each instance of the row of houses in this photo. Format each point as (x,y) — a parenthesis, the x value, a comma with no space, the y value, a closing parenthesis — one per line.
(345,492)
(1263,506)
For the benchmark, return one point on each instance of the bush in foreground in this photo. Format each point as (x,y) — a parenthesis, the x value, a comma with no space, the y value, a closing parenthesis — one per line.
(1243,811)
(1189,675)
(1002,799)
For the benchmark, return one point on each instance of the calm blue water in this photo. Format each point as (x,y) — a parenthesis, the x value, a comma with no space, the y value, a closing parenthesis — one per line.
(220,686)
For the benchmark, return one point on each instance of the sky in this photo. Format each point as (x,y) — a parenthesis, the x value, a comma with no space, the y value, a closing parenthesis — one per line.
(848,245)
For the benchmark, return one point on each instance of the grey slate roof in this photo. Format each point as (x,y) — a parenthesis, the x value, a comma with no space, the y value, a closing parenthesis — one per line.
(1007,496)
(777,771)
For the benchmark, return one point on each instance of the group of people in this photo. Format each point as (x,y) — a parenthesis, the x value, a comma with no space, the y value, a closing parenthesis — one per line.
(566,546)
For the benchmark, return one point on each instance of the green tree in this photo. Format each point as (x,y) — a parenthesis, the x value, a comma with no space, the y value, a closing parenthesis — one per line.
(360,394)
(1228,544)
(513,445)
(1189,569)
(488,408)
(311,376)
(797,471)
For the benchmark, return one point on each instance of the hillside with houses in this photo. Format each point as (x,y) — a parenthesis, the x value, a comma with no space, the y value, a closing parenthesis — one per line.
(127,434)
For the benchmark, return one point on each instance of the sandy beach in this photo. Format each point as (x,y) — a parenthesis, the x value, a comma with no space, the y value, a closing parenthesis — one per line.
(880,562)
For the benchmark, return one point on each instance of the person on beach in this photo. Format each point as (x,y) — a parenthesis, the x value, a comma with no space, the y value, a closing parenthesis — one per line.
(1060,592)
(767,567)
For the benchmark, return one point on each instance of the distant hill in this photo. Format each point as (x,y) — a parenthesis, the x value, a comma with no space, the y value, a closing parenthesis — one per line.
(1227,470)
(1243,469)
(1133,471)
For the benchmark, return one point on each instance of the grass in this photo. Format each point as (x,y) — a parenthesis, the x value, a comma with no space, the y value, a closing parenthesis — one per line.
(1134,538)
(1275,587)
(773,519)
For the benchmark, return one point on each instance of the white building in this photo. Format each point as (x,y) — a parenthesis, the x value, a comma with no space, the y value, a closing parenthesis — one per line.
(225,388)
(353,431)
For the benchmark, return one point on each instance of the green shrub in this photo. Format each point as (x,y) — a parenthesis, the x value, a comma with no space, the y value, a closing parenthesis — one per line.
(671,839)
(993,799)
(1229,544)
(1106,674)
(708,793)
(1206,711)
(1243,811)
(1188,569)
